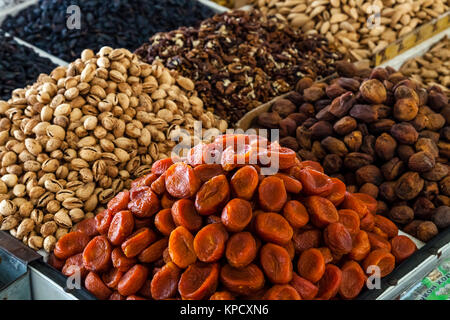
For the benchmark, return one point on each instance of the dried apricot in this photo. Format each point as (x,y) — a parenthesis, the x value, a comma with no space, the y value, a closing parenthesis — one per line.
(286,158)
(292,185)
(181,247)
(380,258)
(241,249)
(353,203)
(144,181)
(311,265)
(322,211)
(164,222)
(386,226)
(145,290)
(184,214)
(296,214)
(159,185)
(305,288)
(199,281)
(144,202)
(204,153)
(181,181)
(327,254)
(222,295)
(330,282)
(120,260)
(314,182)
(87,226)
(70,244)
(305,239)
(95,285)
(73,265)
(164,283)
(402,248)
(378,242)
(276,263)
(119,202)
(55,262)
(207,171)
(167,201)
(367,223)
(368,200)
(132,280)
(337,192)
(282,292)
(154,251)
(353,280)
(236,215)
(212,195)
(380,233)
(209,242)
(242,280)
(103,221)
(244,182)
(232,157)
(135,297)
(97,254)
(337,238)
(350,220)
(112,278)
(161,166)
(137,242)
(290,249)
(272,194)
(121,227)
(361,246)
(272,227)
(312,165)
(116,296)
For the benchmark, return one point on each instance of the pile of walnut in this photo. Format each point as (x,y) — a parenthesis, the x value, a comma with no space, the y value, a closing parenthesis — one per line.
(76,137)
(196,230)
(241,59)
(380,133)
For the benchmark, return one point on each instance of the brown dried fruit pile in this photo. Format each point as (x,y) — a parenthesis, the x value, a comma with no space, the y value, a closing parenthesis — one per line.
(240,59)
(193,230)
(381,134)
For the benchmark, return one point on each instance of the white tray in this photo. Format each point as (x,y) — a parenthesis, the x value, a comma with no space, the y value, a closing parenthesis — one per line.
(214,6)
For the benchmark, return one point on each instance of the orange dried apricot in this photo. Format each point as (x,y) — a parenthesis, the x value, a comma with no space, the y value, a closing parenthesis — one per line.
(272,194)
(209,242)
(272,227)
(236,215)
(212,195)
(181,247)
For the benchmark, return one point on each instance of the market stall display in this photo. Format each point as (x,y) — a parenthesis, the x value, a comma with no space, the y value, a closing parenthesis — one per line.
(198,230)
(358,28)
(119,24)
(240,59)
(380,133)
(19,65)
(363,152)
(433,68)
(76,137)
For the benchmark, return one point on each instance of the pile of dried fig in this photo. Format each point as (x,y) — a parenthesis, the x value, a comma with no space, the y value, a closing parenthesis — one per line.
(382,134)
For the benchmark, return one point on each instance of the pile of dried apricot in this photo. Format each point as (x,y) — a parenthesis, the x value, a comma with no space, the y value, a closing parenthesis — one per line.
(196,230)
